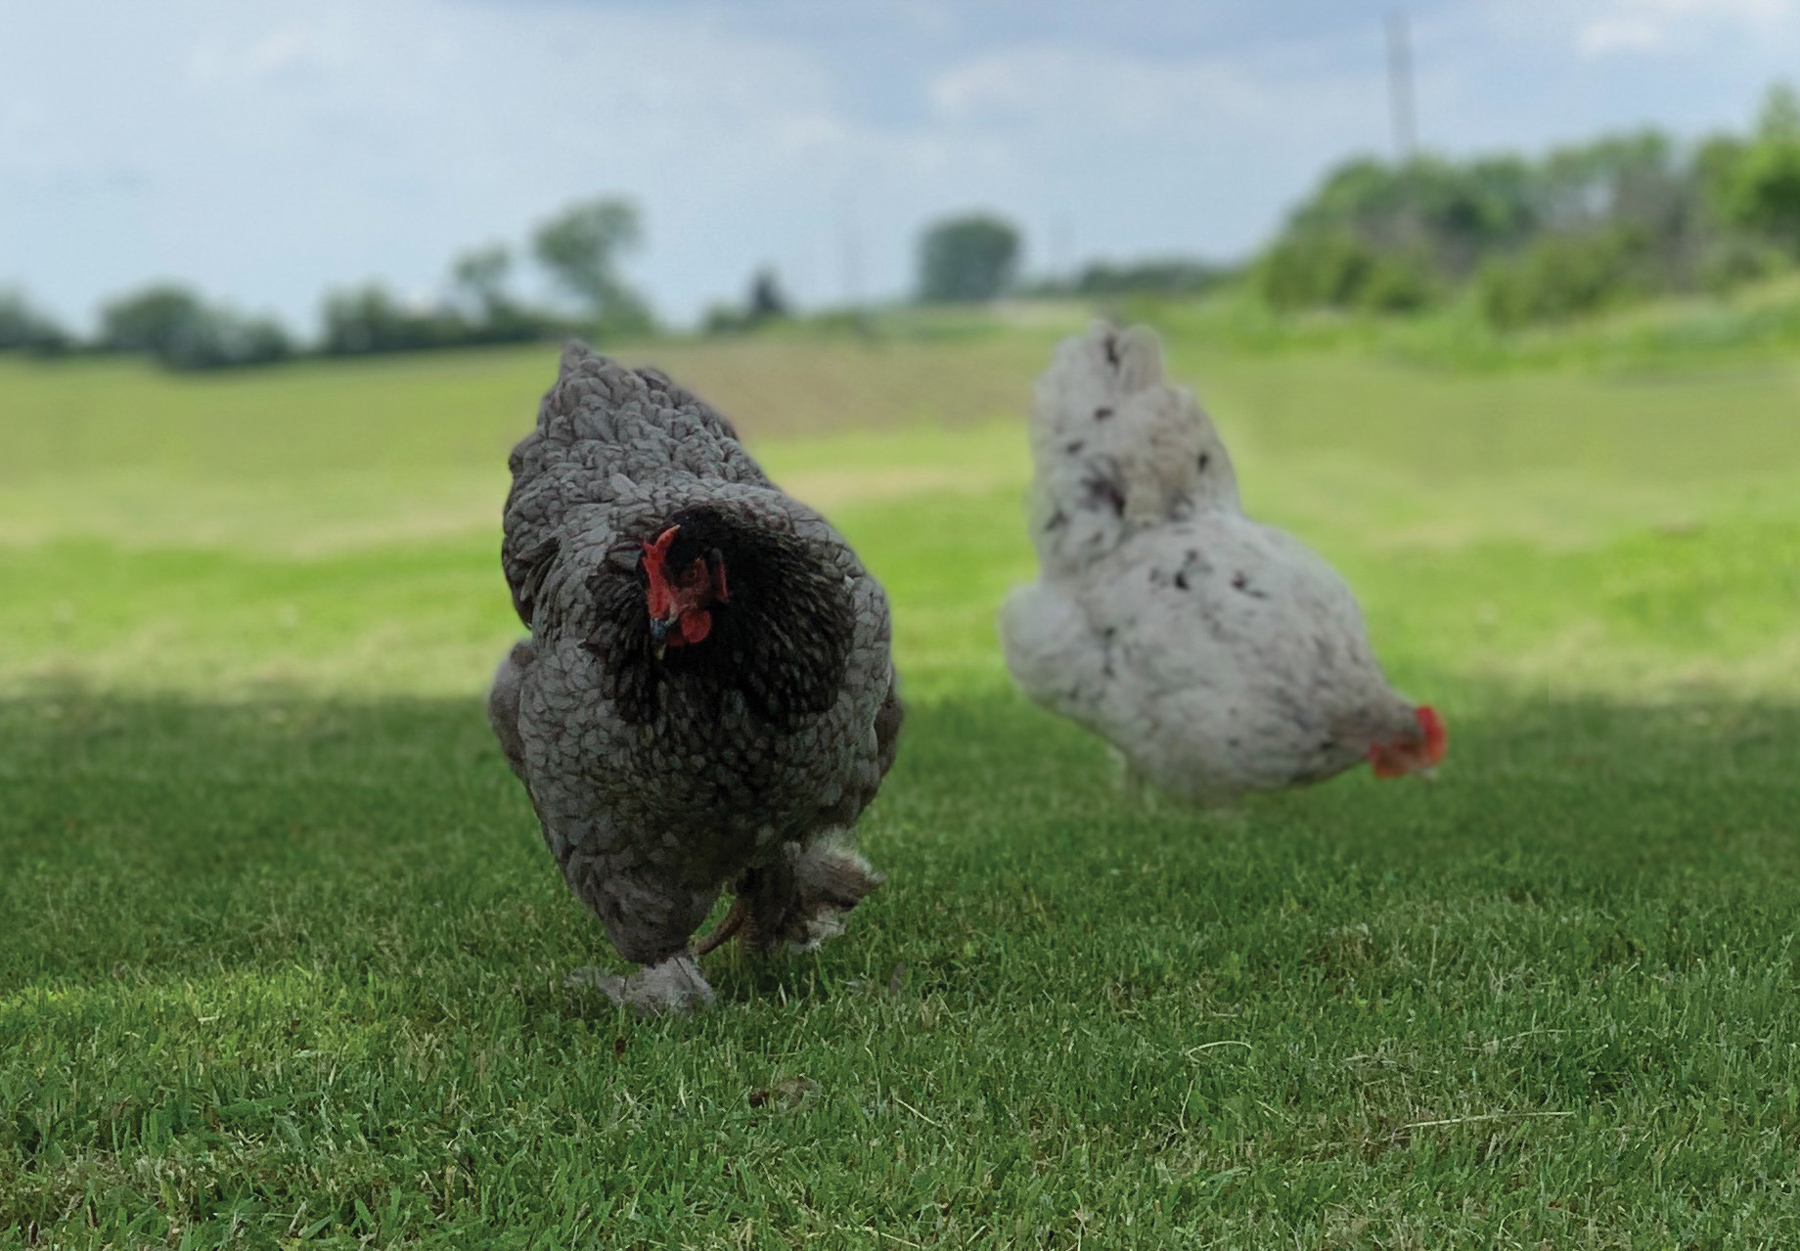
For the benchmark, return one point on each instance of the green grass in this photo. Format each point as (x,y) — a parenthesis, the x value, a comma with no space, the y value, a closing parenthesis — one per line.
(281,952)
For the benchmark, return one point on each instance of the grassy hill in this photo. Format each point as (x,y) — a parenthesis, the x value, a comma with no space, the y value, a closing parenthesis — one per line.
(283,956)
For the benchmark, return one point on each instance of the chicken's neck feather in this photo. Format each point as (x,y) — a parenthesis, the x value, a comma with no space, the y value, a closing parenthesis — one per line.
(782,641)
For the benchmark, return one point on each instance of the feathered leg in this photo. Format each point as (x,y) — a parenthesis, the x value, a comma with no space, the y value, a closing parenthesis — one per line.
(799,899)
(671,985)
(649,920)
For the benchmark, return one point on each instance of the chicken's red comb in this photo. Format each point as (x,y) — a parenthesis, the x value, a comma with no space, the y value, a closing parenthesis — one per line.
(655,556)
(657,552)
(1432,727)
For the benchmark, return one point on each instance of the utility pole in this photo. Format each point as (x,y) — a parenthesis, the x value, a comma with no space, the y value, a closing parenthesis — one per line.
(1400,84)
(851,257)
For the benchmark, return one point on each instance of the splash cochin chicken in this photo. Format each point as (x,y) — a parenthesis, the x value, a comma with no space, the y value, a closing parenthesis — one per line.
(1217,654)
(707,699)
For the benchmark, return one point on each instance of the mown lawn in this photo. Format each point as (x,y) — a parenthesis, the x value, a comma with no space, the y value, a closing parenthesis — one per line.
(281,954)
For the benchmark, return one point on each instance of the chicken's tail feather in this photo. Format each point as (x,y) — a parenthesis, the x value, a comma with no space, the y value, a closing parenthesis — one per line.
(1114,447)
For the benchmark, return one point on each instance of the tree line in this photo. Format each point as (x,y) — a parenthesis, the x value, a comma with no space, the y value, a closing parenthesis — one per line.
(1573,231)
(579,249)
(1577,230)
(964,258)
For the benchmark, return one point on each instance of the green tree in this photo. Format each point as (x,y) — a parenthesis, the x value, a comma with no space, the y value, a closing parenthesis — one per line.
(1452,216)
(581,247)
(371,319)
(1761,180)
(182,331)
(766,300)
(24,327)
(480,276)
(155,319)
(968,258)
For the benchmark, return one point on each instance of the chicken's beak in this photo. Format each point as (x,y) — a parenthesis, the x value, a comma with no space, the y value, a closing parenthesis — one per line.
(659,633)
(1396,762)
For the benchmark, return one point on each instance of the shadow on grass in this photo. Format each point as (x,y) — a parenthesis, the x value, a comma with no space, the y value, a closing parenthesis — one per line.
(146,837)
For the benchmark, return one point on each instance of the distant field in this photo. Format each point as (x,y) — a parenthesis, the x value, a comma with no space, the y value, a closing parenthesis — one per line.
(282,952)
(332,526)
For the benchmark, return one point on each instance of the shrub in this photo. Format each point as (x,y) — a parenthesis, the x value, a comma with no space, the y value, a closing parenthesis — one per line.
(182,331)
(371,319)
(1561,276)
(1173,276)
(765,302)
(1731,261)
(23,328)
(1341,271)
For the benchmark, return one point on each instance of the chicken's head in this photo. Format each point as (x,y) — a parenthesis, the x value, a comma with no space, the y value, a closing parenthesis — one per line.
(1417,752)
(683,583)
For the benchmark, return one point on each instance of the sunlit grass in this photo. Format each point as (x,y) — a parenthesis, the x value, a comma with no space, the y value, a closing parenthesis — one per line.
(1571,530)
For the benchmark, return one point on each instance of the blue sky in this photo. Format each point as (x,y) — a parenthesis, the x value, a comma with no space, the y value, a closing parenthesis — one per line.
(268,151)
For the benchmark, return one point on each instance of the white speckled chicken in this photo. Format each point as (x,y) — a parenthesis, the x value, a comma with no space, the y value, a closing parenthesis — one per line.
(1217,654)
(707,699)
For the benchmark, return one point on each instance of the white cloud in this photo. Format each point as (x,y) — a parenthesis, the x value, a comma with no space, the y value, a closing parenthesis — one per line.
(296,49)
(1657,25)
(1034,84)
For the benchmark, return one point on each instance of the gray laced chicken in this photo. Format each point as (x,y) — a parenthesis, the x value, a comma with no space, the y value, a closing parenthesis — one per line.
(707,699)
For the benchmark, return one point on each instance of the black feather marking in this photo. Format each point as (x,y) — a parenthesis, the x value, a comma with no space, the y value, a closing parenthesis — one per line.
(1191,560)
(782,641)
(1240,581)
(1101,489)
(1101,414)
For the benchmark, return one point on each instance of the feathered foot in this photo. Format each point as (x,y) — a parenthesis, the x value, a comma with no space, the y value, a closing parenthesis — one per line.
(800,900)
(672,985)
(1133,783)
